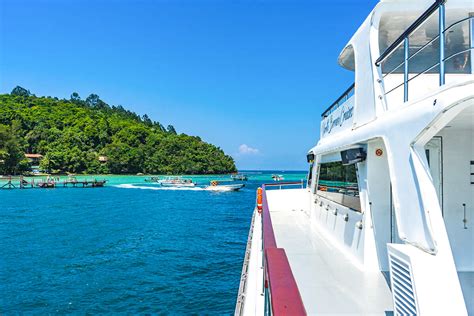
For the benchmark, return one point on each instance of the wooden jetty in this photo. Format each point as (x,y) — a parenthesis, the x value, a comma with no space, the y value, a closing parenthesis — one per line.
(51,183)
(85,183)
(9,184)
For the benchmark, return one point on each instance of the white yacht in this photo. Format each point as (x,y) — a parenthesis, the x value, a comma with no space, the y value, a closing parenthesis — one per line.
(385,222)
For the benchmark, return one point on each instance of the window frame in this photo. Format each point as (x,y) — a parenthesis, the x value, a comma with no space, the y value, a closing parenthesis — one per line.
(316,186)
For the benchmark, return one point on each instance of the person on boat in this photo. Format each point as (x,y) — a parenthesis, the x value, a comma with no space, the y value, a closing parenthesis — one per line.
(457,48)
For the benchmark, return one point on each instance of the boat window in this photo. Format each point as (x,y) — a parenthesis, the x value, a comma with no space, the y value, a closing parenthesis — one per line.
(310,175)
(338,183)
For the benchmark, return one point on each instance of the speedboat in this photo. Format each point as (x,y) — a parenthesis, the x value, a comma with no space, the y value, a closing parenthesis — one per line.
(384,223)
(277,177)
(176,182)
(46,184)
(215,186)
(153,179)
(239,177)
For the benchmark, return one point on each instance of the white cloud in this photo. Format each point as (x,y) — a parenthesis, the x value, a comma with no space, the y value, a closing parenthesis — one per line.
(244,149)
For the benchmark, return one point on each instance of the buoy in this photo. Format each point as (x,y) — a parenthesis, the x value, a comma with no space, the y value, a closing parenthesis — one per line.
(259,200)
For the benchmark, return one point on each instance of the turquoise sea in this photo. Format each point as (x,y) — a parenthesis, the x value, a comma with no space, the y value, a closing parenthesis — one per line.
(130,247)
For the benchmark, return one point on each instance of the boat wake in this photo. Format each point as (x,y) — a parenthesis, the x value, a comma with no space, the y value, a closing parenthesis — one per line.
(142,187)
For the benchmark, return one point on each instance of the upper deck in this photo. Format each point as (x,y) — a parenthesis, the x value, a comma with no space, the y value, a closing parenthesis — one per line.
(403,52)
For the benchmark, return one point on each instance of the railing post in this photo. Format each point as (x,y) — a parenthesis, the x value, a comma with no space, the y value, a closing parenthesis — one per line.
(405,74)
(471,39)
(442,21)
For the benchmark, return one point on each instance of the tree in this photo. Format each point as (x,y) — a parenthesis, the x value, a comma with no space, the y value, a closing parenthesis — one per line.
(12,157)
(45,163)
(75,97)
(159,126)
(147,120)
(20,91)
(171,129)
(92,100)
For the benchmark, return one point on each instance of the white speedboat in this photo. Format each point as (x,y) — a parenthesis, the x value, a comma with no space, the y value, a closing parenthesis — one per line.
(176,182)
(239,177)
(153,179)
(216,186)
(385,222)
(277,177)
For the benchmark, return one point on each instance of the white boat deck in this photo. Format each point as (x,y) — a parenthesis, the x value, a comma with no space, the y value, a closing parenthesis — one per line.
(329,282)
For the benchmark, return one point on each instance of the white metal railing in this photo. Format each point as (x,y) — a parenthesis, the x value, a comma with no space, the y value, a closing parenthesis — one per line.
(239,306)
(340,101)
(399,58)
(279,185)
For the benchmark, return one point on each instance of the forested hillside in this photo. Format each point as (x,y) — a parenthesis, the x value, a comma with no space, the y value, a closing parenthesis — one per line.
(72,134)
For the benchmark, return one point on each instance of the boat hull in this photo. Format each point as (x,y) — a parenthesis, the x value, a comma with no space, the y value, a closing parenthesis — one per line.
(177,184)
(230,187)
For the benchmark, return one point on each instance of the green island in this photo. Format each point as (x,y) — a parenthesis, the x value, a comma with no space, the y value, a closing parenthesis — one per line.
(93,137)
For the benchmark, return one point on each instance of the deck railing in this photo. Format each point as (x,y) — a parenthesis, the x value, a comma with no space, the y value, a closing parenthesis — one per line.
(448,51)
(282,184)
(239,306)
(340,101)
(282,296)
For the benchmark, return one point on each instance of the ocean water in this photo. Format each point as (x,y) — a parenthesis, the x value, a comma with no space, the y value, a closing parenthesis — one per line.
(129,247)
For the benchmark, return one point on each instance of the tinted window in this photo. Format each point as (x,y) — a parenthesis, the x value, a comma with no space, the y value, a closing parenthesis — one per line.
(338,183)
(310,175)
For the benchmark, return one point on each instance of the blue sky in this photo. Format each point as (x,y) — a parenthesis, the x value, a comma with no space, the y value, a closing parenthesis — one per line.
(249,76)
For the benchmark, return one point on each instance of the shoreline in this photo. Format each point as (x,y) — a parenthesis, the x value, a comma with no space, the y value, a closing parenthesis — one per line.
(248,172)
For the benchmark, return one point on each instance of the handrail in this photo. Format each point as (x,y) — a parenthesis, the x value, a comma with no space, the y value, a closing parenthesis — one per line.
(276,184)
(239,306)
(389,50)
(342,96)
(268,233)
(412,55)
(442,56)
(285,298)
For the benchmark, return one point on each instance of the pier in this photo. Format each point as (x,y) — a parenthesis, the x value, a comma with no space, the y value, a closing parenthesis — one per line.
(50,183)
